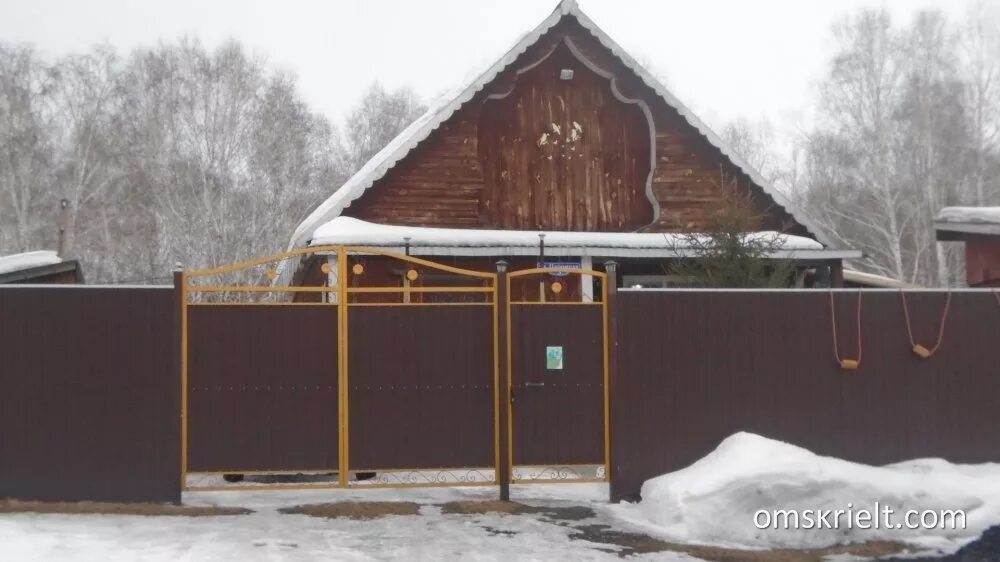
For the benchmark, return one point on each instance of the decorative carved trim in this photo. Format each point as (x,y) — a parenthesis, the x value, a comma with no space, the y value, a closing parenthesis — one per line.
(617,93)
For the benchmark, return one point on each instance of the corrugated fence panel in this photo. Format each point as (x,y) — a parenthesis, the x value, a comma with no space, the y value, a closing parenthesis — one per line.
(695,367)
(558,414)
(262,388)
(89,387)
(421,384)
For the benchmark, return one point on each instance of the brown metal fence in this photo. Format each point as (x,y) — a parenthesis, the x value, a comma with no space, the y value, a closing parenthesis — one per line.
(89,394)
(697,366)
(262,392)
(91,381)
(422,390)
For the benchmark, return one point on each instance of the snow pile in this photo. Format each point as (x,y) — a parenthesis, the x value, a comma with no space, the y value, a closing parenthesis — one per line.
(349,231)
(983,215)
(714,501)
(27,260)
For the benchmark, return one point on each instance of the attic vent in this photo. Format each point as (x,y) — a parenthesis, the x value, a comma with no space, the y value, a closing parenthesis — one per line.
(566,74)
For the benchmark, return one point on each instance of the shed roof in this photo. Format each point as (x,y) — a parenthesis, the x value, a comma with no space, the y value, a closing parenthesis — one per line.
(446,105)
(977,221)
(27,260)
(33,266)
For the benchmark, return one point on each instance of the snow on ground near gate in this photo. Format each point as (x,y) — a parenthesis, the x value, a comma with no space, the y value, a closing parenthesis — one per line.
(17,262)
(269,535)
(714,500)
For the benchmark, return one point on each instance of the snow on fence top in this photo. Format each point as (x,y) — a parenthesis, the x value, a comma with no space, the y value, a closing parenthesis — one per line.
(982,215)
(27,260)
(348,231)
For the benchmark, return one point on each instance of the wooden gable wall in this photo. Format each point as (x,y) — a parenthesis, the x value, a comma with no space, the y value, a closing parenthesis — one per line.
(447,181)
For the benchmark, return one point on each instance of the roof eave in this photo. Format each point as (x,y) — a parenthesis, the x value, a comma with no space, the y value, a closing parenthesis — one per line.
(982,228)
(601,252)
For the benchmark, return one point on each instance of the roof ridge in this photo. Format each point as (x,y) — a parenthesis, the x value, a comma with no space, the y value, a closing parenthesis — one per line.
(568,6)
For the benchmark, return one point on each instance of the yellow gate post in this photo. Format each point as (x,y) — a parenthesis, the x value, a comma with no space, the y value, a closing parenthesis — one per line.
(342,387)
(503,394)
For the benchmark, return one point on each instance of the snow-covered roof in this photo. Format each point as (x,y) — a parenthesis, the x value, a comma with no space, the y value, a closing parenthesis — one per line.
(446,105)
(28,260)
(976,220)
(988,215)
(348,231)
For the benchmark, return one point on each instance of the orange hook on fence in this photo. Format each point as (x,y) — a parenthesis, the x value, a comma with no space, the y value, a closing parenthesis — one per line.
(846,364)
(918,349)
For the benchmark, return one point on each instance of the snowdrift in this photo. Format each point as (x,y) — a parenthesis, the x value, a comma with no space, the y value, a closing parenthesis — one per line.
(714,501)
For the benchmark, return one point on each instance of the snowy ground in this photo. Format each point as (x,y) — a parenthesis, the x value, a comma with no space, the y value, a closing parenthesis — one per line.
(715,500)
(270,535)
(706,509)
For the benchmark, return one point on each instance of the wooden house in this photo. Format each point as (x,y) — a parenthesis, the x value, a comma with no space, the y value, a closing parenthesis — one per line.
(979,229)
(565,150)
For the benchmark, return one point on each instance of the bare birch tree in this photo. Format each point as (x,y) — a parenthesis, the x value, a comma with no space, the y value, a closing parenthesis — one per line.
(855,194)
(979,53)
(377,119)
(86,103)
(26,152)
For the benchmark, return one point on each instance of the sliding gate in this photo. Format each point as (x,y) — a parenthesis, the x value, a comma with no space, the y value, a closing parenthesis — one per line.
(384,374)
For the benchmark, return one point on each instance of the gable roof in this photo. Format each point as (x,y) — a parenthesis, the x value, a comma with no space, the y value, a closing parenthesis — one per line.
(446,105)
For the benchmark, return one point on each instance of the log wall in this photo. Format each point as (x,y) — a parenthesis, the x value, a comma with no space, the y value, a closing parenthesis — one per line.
(455,177)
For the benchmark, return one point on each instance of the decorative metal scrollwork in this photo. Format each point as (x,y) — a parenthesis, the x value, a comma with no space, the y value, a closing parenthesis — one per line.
(558,473)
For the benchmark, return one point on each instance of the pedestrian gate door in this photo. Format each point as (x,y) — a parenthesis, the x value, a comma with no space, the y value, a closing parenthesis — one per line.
(558,364)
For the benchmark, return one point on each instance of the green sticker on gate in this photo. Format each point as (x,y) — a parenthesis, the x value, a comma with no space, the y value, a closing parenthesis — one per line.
(554,358)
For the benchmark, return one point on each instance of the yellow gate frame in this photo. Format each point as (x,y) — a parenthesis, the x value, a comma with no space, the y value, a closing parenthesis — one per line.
(343,291)
(510,366)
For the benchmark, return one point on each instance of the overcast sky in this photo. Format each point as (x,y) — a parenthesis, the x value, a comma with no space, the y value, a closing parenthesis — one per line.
(724,58)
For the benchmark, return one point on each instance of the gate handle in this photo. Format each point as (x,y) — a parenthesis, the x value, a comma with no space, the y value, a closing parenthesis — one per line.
(534,384)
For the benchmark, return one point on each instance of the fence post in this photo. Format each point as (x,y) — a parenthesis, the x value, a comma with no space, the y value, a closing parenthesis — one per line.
(836,274)
(611,311)
(503,392)
(180,355)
